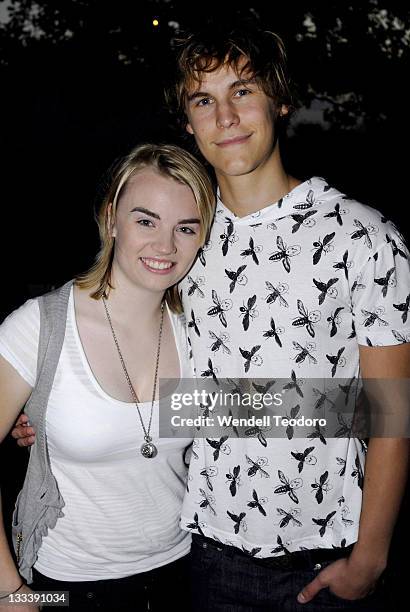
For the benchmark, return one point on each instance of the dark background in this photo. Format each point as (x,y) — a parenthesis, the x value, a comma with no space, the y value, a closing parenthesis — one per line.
(81,83)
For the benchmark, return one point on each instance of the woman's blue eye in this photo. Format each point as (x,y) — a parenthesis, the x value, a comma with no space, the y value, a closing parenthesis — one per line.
(204,102)
(144,222)
(187,230)
(243,92)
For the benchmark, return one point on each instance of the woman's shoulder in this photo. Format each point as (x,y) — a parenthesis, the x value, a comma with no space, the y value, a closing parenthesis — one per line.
(27,315)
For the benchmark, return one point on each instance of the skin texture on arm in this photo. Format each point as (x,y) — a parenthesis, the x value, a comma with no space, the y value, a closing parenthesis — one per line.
(14,394)
(384,483)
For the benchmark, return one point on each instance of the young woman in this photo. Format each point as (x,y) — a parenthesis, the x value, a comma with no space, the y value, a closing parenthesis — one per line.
(98,514)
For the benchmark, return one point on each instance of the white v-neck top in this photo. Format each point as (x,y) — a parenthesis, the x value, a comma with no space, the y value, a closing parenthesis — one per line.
(122,511)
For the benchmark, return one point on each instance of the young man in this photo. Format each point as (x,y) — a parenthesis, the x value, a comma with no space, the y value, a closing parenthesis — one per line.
(297,281)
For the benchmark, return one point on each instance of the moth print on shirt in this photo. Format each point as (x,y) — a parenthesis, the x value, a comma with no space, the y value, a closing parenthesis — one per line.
(236,277)
(288,517)
(253,552)
(219,342)
(324,523)
(336,214)
(252,251)
(303,219)
(196,525)
(344,265)
(208,473)
(344,515)
(306,319)
(401,338)
(342,466)
(335,320)
(293,414)
(211,372)
(257,467)
(195,286)
(283,547)
(274,332)
(228,237)
(317,433)
(348,389)
(248,312)
(219,308)
(194,323)
(238,520)
(251,357)
(387,281)
(285,253)
(234,479)
(321,248)
(308,202)
(288,487)
(337,360)
(276,293)
(404,308)
(322,398)
(326,289)
(357,472)
(219,446)
(371,317)
(201,253)
(304,458)
(257,432)
(396,249)
(364,232)
(294,384)
(258,502)
(207,502)
(323,486)
(344,427)
(304,352)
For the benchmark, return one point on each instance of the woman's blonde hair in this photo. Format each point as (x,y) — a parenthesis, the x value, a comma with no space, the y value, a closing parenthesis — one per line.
(167,160)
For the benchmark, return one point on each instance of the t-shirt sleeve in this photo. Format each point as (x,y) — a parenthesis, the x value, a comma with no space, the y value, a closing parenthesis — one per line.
(381,296)
(19,337)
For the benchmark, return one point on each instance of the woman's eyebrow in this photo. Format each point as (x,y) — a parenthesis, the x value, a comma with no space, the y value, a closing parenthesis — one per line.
(145,211)
(150,213)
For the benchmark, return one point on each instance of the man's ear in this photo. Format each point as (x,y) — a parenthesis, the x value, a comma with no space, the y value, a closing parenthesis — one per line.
(112,230)
(284,110)
(189,129)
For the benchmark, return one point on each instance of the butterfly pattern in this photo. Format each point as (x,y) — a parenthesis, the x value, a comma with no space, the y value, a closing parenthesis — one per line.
(290,292)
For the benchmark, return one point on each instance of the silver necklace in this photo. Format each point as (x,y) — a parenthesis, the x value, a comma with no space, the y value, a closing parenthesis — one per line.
(148,448)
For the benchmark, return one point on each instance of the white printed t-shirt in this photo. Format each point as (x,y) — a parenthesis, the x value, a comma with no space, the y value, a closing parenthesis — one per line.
(314,272)
(121,513)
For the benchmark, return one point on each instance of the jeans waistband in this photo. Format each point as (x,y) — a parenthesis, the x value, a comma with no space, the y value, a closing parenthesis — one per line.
(298,560)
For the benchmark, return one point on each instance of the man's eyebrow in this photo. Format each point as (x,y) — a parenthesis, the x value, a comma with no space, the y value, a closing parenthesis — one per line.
(155,216)
(237,83)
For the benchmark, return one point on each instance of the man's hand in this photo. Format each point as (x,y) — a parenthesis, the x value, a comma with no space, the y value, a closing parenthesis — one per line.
(23,432)
(345,578)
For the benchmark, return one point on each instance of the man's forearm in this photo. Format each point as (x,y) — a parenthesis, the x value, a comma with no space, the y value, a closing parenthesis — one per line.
(384,484)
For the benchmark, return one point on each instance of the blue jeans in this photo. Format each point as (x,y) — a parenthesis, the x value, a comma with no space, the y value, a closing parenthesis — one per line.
(226,580)
(163,588)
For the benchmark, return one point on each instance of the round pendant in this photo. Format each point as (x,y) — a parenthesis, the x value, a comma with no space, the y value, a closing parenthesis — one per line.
(149,450)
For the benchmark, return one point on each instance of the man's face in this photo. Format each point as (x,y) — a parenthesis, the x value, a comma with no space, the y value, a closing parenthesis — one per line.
(232,121)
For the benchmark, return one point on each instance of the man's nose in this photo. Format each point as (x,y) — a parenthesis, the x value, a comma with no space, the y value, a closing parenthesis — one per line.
(226,115)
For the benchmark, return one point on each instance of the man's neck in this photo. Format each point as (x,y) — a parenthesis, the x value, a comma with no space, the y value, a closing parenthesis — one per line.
(248,193)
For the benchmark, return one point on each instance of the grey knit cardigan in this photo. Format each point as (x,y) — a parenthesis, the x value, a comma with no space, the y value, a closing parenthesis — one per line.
(39,503)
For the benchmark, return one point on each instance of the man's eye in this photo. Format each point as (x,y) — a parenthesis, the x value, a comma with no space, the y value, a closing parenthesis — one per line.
(243,92)
(204,102)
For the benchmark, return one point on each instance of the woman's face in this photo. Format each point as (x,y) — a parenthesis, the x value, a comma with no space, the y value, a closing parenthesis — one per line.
(156,231)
